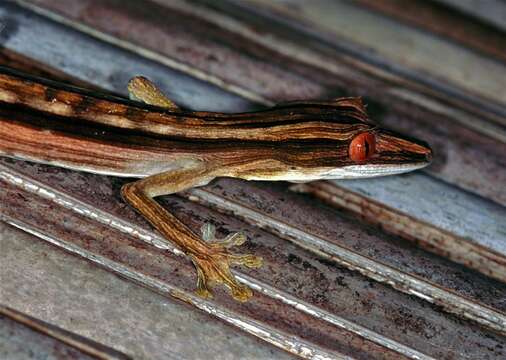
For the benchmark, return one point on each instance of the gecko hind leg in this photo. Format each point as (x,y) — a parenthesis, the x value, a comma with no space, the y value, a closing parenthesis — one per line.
(212,259)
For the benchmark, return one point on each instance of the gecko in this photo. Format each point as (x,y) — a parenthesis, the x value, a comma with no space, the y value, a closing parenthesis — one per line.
(170,149)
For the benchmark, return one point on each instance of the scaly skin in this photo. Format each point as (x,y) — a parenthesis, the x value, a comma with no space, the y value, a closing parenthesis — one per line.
(172,150)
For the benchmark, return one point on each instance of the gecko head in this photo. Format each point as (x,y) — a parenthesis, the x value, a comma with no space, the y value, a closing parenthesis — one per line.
(378,152)
(367,150)
(342,142)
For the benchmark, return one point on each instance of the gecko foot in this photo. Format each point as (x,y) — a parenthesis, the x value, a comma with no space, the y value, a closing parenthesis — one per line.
(214,266)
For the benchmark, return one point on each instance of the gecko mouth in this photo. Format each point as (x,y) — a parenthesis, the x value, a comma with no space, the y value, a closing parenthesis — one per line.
(372,170)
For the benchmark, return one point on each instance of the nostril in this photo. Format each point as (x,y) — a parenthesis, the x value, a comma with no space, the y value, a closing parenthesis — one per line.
(428,155)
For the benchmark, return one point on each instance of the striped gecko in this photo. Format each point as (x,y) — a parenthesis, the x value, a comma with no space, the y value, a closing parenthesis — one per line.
(171,149)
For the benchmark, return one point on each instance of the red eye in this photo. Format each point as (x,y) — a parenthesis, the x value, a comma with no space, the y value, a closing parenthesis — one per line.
(362,147)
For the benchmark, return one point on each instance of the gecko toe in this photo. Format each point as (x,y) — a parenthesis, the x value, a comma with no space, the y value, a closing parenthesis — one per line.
(248,260)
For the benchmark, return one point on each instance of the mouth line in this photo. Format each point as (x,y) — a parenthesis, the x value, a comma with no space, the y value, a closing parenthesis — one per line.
(389,168)
(373,170)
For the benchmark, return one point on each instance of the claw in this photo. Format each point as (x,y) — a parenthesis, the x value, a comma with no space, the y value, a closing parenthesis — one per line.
(214,267)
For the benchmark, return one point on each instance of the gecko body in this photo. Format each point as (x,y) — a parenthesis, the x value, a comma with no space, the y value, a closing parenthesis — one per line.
(171,149)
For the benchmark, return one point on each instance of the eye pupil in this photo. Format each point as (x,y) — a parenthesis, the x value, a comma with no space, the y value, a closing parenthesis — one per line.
(362,147)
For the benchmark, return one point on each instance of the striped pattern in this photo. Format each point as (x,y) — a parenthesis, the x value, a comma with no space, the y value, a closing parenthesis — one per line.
(76,128)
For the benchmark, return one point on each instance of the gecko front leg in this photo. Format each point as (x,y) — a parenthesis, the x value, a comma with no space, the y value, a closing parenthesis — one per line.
(143,89)
(212,259)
